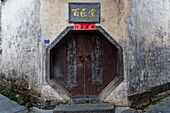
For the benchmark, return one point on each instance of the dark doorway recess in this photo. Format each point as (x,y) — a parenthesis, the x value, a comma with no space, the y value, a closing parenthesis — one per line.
(84,63)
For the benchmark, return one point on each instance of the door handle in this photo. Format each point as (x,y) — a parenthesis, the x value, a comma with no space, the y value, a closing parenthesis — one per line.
(80,57)
(88,57)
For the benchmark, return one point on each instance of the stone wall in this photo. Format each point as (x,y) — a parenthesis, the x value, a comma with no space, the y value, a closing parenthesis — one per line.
(149,46)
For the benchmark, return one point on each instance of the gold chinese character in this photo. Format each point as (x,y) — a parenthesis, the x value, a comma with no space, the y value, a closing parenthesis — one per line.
(92,12)
(76,13)
(83,13)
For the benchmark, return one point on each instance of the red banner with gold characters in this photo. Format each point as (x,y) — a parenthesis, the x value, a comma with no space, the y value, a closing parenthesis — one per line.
(84,26)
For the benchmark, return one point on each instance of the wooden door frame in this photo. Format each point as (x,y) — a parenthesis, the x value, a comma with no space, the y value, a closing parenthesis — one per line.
(109,88)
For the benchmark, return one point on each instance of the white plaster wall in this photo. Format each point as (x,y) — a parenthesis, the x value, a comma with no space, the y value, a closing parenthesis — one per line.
(149,47)
(20,34)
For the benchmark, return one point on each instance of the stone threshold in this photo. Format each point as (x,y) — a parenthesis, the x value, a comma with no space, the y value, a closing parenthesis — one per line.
(86,108)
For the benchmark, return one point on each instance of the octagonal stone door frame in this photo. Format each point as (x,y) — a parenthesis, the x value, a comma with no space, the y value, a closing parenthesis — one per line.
(109,88)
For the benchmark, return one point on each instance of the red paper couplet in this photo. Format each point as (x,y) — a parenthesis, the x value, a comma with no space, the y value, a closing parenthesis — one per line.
(84,26)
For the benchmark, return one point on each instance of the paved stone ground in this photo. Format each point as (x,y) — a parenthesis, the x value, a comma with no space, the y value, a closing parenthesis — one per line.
(162,107)
(8,106)
(127,110)
(37,110)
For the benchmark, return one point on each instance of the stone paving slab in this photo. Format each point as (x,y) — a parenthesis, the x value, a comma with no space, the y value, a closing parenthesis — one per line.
(11,107)
(2,98)
(163,107)
(120,109)
(8,106)
(37,110)
(130,110)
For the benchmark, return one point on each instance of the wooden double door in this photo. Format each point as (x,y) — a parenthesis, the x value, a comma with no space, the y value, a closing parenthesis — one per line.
(83,63)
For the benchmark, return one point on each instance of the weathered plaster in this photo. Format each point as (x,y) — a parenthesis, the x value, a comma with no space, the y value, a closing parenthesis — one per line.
(149,44)
(21,35)
(141,27)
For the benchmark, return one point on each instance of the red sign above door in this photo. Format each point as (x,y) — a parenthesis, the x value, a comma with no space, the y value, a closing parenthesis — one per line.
(84,26)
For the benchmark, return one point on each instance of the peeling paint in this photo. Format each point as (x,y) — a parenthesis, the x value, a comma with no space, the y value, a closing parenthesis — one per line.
(97,69)
(71,62)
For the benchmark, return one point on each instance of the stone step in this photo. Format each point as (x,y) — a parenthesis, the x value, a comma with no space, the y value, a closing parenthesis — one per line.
(86,108)
(85,100)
